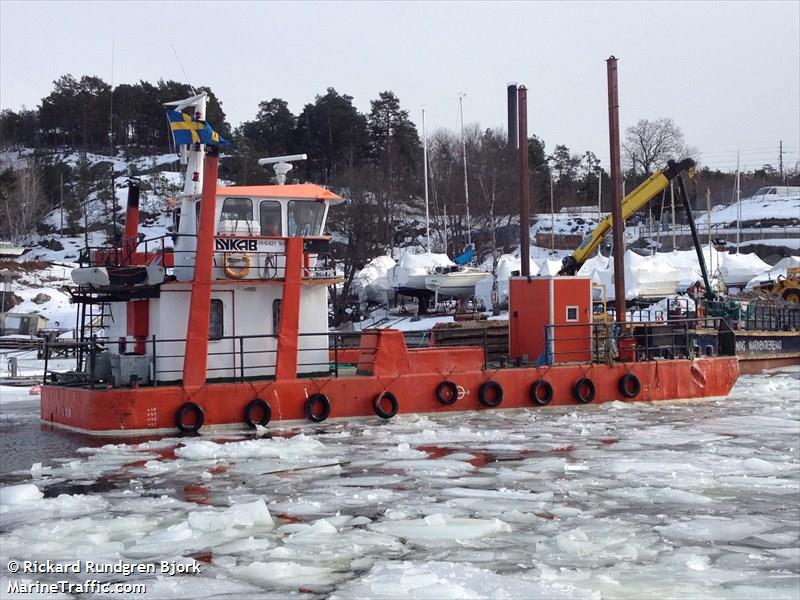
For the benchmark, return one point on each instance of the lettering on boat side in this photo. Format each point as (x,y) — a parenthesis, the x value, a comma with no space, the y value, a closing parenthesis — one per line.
(239,244)
(231,244)
(759,345)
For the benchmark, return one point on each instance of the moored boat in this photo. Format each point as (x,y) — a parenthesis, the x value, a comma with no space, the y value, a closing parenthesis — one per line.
(455,282)
(232,332)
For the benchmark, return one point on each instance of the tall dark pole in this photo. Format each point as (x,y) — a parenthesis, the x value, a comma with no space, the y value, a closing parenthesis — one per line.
(524,190)
(512,114)
(618,225)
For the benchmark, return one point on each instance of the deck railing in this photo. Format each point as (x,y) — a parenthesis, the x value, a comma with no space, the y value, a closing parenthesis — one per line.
(230,358)
(160,250)
(337,354)
(604,342)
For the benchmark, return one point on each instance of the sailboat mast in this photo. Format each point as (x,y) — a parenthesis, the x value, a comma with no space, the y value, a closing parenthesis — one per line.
(738,205)
(425,174)
(464,157)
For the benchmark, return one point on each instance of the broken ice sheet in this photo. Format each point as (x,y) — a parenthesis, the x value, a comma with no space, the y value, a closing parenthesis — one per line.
(447,580)
(698,498)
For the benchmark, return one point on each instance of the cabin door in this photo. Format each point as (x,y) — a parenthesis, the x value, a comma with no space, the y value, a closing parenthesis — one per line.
(223,360)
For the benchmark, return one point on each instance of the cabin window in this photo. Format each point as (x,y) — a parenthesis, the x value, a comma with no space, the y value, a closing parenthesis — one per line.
(305,218)
(572,314)
(276,316)
(270,218)
(215,322)
(237,209)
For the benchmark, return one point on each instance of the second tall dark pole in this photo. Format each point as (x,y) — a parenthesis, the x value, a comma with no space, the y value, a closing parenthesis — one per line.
(524,184)
(618,224)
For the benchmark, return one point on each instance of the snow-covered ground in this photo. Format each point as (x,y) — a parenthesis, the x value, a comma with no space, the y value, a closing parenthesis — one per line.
(754,209)
(624,500)
(42,291)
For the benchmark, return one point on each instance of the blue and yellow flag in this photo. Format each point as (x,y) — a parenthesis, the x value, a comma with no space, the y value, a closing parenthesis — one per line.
(187,131)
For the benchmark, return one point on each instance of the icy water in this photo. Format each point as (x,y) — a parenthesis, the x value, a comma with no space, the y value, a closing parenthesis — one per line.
(668,500)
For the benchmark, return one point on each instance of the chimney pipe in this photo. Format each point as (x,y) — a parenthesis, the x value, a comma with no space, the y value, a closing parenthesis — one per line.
(617,223)
(524,184)
(131,235)
(512,115)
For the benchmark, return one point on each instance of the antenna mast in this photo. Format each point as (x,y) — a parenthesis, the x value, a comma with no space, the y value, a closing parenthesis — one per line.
(738,205)
(180,64)
(464,156)
(111,141)
(425,173)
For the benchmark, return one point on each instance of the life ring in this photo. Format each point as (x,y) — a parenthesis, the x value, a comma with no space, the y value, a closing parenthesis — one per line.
(253,409)
(241,270)
(541,392)
(447,392)
(312,403)
(629,385)
(183,412)
(384,414)
(490,394)
(583,390)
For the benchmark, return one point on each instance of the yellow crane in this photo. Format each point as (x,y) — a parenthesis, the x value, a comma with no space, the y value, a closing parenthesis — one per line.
(637,199)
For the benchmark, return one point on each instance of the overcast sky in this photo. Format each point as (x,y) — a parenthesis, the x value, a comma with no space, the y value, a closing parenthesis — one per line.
(727,73)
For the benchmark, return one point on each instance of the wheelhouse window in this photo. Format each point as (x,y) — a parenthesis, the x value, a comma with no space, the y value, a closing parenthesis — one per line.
(216,330)
(305,217)
(237,209)
(270,218)
(572,313)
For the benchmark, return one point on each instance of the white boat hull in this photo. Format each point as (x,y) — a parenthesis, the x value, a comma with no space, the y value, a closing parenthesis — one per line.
(456,284)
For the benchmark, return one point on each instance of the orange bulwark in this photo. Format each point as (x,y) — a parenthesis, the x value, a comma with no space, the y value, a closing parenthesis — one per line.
(412,376)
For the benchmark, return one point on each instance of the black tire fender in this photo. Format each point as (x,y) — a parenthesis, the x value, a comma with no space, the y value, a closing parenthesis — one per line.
(447,392)
(183,412)
(377,405)
(629,385)
(314,401)
(541,392)
(584,390)
(490,394)
(253,408)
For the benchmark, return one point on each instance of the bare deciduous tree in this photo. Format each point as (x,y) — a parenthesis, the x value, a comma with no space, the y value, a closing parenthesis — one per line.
(649,144)
(25,204)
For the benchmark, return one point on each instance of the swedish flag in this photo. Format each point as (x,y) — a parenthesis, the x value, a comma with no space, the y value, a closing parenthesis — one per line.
(187,131)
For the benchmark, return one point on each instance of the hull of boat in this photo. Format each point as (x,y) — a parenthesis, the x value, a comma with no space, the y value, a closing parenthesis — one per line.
(153,410)
(758,350)
(455,284)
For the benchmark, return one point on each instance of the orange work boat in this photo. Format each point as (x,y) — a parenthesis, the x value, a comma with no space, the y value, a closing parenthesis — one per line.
(229,329)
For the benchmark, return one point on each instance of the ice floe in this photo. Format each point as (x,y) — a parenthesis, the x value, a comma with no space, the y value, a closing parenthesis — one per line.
(615,502)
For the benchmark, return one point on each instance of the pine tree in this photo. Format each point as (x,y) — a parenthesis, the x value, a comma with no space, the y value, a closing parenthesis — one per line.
(334,135)
(83,187)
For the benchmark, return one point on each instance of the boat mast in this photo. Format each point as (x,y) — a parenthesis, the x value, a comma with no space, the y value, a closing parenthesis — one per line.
(194,158)
(464,158)
(738,205)
(425,174)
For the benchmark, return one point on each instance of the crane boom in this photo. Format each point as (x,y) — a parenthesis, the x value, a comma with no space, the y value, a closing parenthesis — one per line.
(638,198)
